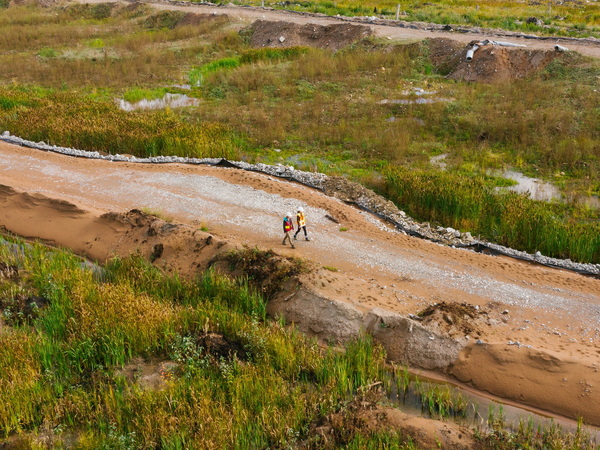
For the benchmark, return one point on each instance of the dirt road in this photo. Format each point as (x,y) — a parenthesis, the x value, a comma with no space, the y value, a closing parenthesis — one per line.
(393,30)
(533,336)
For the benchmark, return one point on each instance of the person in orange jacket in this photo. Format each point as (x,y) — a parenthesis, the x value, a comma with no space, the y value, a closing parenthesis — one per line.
(301,220)
(288,226)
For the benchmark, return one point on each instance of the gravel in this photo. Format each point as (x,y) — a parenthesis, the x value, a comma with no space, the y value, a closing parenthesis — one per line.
(338,187)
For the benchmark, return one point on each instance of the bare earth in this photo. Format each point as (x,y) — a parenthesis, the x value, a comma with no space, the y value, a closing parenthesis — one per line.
(524,333)
(391,30)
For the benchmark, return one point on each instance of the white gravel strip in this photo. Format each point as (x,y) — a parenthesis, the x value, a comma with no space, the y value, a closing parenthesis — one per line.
(315,180)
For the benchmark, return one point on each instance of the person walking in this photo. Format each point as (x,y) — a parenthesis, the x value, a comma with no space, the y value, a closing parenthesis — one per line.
(288,226)
(301,220)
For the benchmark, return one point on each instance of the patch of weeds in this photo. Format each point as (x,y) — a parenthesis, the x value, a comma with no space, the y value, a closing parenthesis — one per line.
(18,306)
(47,52)
(264,269)
(164,19)
(197,353)
(272,54)
(197,74)
(96,43)
(330,268)
(350,427)
(156,213)
(441,401)
(134,95)
(343,229)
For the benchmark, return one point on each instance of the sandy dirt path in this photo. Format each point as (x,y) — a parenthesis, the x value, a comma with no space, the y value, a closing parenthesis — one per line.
(542,327)
(390,30)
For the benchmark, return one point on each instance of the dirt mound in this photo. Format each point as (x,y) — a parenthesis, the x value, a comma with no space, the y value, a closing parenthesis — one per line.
(494,63)
(265,270)
(445,54)
(453,318)
(286,34)
(490,63)
(192,19)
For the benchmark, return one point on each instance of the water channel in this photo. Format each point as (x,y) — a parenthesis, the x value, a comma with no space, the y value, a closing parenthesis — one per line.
(479,408)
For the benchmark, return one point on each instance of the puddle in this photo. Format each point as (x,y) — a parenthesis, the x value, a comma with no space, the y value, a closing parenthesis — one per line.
(418,91)
(169,100)
(423,98)
(418,101)
(535,188)
(438,161)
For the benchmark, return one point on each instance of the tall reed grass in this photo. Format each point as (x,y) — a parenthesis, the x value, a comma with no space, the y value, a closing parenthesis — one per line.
(470,203)
(70,120)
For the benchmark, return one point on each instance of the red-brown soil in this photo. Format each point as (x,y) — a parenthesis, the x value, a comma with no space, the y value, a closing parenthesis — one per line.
(286,34)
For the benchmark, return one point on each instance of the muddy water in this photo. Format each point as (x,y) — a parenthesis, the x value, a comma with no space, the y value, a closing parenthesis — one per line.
(169,100)
(534,187)
(480,408)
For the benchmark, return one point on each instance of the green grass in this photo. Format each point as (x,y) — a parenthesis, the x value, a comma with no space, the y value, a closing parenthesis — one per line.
(470,203)
(59,369)
(559,17)
(61,374)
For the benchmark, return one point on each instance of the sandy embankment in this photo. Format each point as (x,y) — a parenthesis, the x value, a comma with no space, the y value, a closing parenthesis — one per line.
(532,336)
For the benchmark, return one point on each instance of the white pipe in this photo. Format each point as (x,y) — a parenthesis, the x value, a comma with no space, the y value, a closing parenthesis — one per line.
(560,48)
(506,44)
(471,52)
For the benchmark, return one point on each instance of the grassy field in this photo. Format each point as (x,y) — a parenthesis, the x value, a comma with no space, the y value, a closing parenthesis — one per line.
(61,70)
(76,345)
(544,17)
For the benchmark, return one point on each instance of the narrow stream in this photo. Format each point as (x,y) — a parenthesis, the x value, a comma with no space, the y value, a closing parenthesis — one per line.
(479,408)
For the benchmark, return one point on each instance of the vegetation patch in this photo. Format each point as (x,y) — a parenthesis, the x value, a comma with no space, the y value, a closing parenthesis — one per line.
(530,435)
(359,421)
(264,269)
(471,203)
